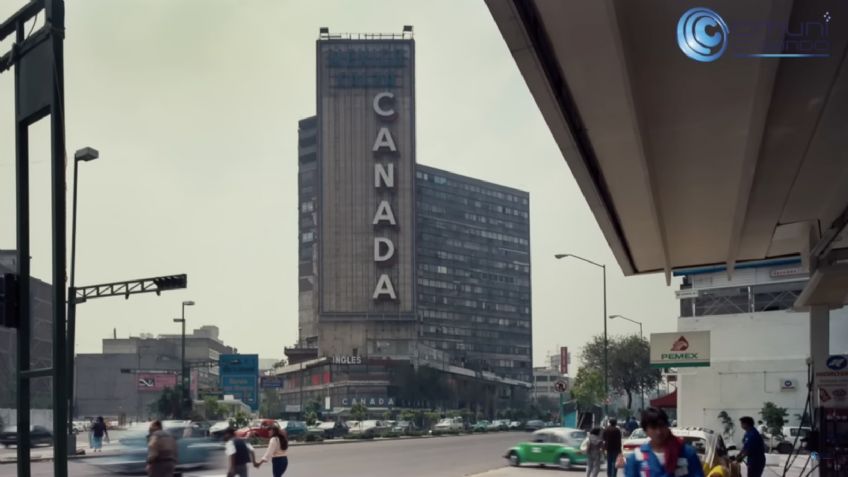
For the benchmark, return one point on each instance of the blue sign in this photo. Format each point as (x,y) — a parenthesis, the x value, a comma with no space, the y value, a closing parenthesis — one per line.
(702,34)
(240,377)
(837,362)
(270,382)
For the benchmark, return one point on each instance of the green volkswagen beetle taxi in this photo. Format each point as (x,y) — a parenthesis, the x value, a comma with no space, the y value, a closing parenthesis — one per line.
(554,446)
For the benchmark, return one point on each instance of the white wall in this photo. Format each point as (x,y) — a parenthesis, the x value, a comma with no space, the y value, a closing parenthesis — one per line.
(751,354)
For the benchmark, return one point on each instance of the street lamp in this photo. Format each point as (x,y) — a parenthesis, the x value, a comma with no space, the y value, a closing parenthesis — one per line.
(183,371)
(85,154)
(603,267)
(641,338)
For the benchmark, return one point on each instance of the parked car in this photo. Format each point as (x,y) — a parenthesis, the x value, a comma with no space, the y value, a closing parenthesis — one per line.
(38,435)
(792,438)
(558,447)
(636,439)
(534,425)
(449,424)
(514,425)
(500,424)
(403,427)
(295,430)
(331,429)
(481,425)
(257,428)
(711,450)
(192,452)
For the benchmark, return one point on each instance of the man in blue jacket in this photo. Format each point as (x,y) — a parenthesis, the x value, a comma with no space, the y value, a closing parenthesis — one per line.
(753,447)
(664,455)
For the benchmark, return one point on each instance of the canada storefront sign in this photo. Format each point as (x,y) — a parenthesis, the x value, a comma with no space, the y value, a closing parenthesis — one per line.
(680,349)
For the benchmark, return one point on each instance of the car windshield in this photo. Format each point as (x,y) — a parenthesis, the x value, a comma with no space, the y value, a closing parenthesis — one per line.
(638,434)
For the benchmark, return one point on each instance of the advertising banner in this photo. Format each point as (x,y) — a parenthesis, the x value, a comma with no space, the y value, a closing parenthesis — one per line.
(239,375)
(155,382)
(680,349)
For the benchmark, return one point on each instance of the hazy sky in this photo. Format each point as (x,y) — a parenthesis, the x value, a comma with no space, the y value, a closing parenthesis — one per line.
(194,104)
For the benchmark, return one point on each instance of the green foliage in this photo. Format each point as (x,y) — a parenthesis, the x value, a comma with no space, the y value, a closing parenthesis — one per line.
(240,419)
(170,404)
(270,404)
(588,388)
(358,412)
(311,418)
(408,415)
(212,409)
(774,417)
(431,418)
(727,424)
(629,364)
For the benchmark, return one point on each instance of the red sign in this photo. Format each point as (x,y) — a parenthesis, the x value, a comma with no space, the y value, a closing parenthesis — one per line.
(563,360)
(155,382)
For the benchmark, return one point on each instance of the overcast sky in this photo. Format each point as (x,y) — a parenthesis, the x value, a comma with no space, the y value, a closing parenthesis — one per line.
(194,104)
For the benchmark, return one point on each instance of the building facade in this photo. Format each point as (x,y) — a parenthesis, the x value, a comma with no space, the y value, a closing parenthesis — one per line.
(131,373)
(759,346)
(399,264)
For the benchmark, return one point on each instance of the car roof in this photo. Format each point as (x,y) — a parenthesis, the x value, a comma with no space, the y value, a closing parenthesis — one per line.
(558,430)
(693,432)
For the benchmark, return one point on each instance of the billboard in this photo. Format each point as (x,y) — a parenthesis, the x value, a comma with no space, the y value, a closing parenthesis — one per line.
(563,360)
(155,382)
(366,141)
(239,374)
(680,349)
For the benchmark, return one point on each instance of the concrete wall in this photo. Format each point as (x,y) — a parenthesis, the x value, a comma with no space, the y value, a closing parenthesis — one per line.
(752,354)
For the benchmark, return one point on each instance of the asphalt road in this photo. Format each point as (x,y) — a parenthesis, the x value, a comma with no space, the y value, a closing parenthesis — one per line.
(431,457)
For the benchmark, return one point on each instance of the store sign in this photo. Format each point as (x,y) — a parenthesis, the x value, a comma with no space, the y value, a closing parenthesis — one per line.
(347,359)
(833,382)
(369,401)
(385,153)
(680,349)
(270,382)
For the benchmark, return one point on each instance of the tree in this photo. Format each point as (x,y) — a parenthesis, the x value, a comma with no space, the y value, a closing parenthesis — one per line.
(727,424)
(629,364)
(212,409)
(358,412)
(240,419)
(774,418)
(588,388)
(170,404)
(271,406)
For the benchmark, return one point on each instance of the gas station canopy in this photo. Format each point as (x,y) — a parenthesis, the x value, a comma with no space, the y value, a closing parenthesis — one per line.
(687,163)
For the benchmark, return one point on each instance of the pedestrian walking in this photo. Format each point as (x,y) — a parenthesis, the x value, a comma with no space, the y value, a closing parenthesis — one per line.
(161,452)
(276,452)
(612,442)
(98,432)
(753,448)
(664,455)
(593,446)
(239,454)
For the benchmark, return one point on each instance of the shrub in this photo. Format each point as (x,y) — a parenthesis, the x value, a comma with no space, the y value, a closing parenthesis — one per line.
(314,438)
(390,434)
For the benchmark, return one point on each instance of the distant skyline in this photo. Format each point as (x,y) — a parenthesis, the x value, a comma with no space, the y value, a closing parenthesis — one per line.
(194,106)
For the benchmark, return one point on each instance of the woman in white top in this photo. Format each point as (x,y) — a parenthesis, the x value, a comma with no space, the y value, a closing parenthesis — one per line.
(276,452)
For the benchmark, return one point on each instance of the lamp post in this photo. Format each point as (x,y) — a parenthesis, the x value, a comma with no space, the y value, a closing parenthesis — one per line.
(603,267)
(641,338)
(85,154)
(183,371)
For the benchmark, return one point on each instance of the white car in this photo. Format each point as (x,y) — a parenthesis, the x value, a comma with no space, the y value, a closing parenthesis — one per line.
(635,441)
(368,428)
(793,438)
(449,424)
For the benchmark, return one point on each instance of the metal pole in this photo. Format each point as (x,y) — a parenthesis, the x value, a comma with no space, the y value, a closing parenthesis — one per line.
(72,315)
(642,338)
(183,368)
(606,347)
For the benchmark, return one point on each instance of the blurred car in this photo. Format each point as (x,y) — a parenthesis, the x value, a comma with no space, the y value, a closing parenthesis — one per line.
(217,429)
(38,435)
(193,452)
(449,424)
(558,447)
(514,425)
(711,450)
(500,424)
(370,428)
(481,425)
(534,425)
(403,427)
(257,428)
(295,430)
(331,429)
(636,439)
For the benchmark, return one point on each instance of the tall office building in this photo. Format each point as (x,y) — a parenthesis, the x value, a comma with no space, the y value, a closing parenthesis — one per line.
(398,262)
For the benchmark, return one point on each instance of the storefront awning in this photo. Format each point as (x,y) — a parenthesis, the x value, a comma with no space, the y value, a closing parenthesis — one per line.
(669,401)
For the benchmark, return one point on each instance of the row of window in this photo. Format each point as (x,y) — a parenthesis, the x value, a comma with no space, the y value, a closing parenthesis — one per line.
(486,347)
(454,199)
(503,322)
(474,304)
(516,266)
(440,180)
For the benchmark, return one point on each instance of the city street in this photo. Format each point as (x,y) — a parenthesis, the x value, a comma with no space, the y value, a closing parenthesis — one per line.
(430,457)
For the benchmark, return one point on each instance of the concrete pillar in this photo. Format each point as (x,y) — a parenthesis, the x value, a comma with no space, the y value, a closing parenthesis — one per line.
(819,343)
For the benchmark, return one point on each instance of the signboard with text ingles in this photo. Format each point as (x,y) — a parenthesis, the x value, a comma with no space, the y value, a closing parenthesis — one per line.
(155,382)
(240,377)
(680,349)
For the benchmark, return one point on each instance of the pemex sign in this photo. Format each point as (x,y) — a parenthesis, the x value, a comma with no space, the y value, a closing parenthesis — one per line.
(680,349)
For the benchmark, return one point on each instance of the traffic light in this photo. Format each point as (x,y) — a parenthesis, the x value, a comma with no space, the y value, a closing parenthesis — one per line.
(170,282)
(9,300)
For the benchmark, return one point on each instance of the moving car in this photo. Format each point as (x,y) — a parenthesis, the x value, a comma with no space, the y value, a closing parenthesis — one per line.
(258,428)
(38,435)
(635,441)
(217,430)
(711,450)
(534,425)
(193,452)
(558,446)
(449,424)
(331,429)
